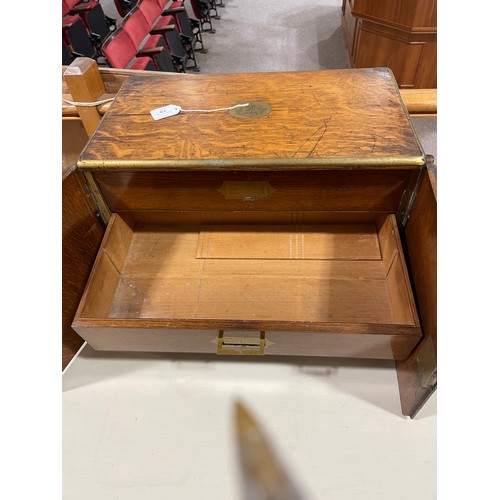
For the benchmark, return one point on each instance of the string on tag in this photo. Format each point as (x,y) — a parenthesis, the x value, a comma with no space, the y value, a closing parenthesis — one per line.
(173,109)
(213,110)
(95,103)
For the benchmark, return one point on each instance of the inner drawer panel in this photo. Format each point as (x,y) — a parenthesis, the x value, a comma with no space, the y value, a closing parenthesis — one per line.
(292,241)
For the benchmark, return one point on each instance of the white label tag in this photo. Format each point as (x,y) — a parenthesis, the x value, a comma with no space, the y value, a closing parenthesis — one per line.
(165,111)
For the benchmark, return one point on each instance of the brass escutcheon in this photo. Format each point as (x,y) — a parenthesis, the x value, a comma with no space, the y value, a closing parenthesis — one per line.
(246,190)
(255,109)
(241,345)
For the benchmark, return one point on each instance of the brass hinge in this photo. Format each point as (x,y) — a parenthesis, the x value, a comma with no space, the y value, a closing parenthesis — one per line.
(408,199)
(95,197)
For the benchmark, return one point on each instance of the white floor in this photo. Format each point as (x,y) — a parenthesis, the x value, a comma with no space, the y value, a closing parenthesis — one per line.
(158,426)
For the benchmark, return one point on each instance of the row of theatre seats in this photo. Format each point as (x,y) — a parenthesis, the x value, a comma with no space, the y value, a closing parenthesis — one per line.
(157,35)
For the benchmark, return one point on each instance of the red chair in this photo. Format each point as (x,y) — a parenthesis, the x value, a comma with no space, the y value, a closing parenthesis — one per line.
(119,52)
(123,7)
(138,30)
(77,38)
(166,26)
(67,56)
(213,7)
(97,23)
(190,29)
(201,10)
(210,6)
(77,3)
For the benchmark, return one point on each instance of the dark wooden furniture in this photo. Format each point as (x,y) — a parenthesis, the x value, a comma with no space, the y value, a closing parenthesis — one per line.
(281,233)
(81,234)
(83,222)
(399,34)
(417,375)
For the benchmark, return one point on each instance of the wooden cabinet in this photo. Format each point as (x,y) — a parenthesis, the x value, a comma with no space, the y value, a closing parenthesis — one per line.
(278,229)
(399,34)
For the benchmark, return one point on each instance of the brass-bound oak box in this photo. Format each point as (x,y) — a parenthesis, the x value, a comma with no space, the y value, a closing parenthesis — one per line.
(266,217)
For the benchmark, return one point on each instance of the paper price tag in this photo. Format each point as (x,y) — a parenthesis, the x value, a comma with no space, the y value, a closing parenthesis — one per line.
(165,111)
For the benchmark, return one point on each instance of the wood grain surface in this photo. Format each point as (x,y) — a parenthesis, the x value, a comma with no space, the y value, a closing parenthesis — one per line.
(334,116)
(417,101)
(374,190)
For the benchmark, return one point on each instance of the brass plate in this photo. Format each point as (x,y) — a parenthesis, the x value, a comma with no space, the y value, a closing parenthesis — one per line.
(255,110)
(246,190)
(241,345)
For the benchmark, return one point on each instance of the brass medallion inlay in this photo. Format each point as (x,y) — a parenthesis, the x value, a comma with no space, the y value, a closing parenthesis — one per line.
(254,110)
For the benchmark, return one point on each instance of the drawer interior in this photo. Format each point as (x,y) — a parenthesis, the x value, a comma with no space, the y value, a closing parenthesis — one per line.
(345,268)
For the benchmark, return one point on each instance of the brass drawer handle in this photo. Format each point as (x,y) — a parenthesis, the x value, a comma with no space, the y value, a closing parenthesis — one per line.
(241,345)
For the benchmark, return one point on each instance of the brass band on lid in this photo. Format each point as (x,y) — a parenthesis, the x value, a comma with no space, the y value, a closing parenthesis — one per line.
(341,162)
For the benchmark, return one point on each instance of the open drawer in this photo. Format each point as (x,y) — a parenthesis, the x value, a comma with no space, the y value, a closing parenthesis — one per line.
(294,283)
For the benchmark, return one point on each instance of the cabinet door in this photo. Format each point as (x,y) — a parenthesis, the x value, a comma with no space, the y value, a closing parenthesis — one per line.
(80,237)
(417,375)
(350,24)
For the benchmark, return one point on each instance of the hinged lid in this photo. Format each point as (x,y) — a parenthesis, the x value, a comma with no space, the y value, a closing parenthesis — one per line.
(317,119)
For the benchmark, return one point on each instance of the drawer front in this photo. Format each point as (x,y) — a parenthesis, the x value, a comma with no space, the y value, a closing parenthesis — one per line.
(233,342)
(368,190)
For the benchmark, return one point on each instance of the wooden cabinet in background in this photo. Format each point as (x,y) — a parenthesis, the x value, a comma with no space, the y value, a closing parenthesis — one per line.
(399,34)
